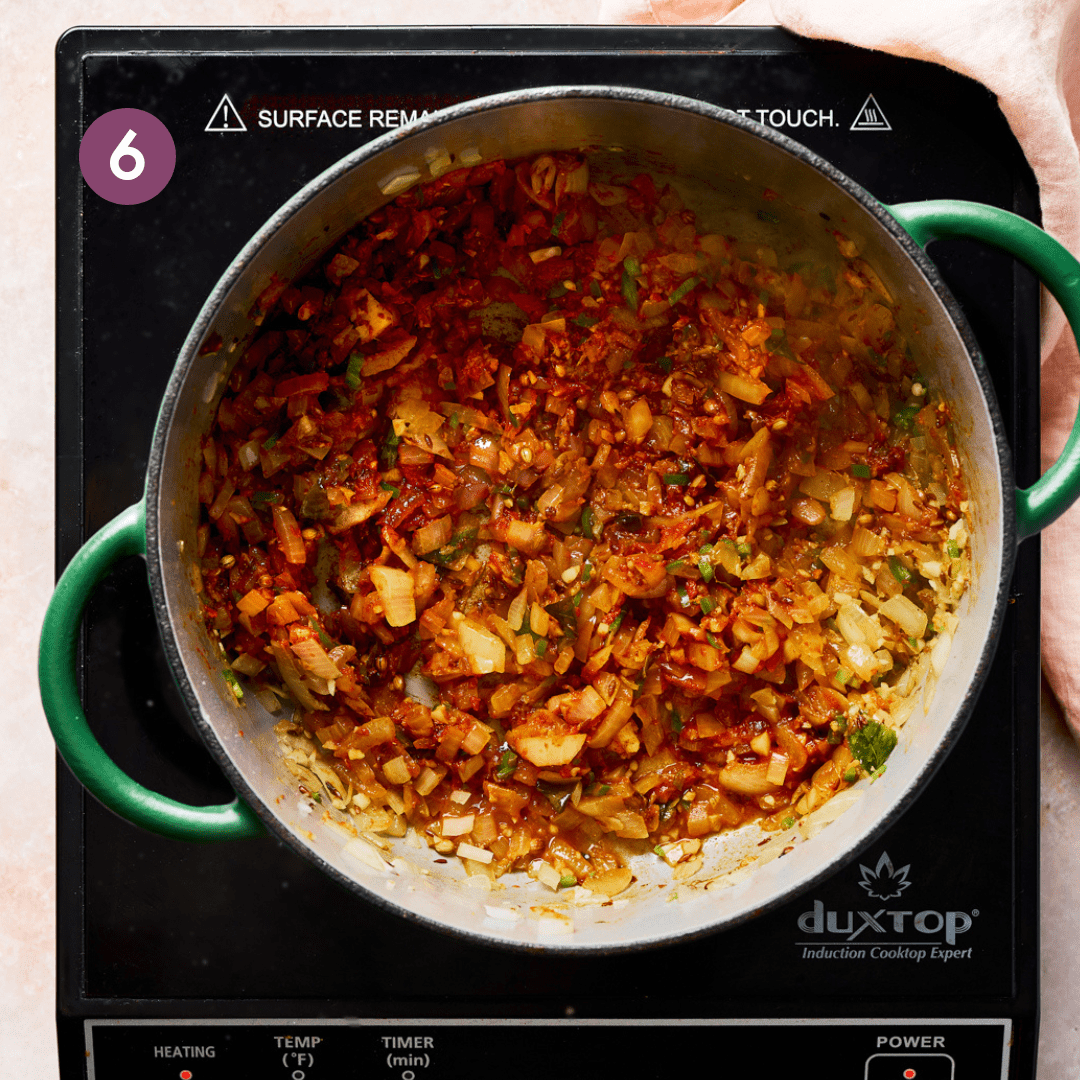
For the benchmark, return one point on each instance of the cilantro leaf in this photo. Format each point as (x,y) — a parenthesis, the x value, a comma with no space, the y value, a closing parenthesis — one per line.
(872,744)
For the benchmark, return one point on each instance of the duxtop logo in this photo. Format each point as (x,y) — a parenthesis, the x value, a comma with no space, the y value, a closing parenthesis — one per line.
(884,882)
(881,933)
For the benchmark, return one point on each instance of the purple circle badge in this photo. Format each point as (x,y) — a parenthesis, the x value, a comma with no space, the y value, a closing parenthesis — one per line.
(127,156)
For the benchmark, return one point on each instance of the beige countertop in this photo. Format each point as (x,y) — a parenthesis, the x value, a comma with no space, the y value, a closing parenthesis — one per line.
(28,33)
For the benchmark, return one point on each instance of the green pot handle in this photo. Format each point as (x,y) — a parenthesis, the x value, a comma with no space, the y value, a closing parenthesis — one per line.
(1057,489)
(100,775)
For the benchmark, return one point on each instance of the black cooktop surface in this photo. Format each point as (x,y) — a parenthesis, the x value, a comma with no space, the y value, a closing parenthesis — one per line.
(153,930)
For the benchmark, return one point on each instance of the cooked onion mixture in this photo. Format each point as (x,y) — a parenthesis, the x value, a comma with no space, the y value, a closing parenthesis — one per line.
(563,524)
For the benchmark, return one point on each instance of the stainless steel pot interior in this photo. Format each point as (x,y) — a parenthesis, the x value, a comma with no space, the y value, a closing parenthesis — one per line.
(722,163)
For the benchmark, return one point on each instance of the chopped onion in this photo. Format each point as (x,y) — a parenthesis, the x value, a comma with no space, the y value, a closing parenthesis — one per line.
(906,503)
(383,361)
(907,615)
(543,254)
(247,664)
(524,649)
(288,533)
(248,455)
(433,535)
(939,652)
(777,770)
(469,416)
(577,181)
(823,485)
(857,627)
(751,390)
(470,851)
(397,545)
(842,504)
(546,874)
(746,662)
(268,700)
(610,882)
(547,751)
(428,780)
(458,826)
(396,770)
(837,559)
(516,615)
(865,543)
(860,657)
(290,675)
(639,419)
(217,507)
(485,651)
(395,589)
(527,536)
(547,504)
(253,602)
(808,511)
(588,705)
(313,657)
(539,620)
(408,454)
(747,779)
(484,453)
(422,689)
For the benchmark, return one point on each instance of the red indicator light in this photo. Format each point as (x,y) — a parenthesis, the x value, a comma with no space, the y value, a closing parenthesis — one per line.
(185,1074)
(909,1074)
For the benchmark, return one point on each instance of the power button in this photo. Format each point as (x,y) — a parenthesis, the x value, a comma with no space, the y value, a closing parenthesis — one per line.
(910,1067)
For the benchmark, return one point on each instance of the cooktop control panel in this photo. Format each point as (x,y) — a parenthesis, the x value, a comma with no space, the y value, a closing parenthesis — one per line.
(427,1049)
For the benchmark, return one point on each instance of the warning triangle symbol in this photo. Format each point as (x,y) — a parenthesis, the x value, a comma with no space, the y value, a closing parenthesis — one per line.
(870,117)
(225,117)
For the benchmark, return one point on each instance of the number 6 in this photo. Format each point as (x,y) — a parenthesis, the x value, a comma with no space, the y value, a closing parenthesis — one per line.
(123,150)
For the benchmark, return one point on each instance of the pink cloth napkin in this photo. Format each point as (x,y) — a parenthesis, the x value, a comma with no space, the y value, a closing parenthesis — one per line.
(1027,52)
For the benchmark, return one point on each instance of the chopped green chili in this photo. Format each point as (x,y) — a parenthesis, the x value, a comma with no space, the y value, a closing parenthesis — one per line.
(323,639)
(683,289)
(388,452)
(507,765)
(587,523)
(631,268)
(904,417)
(233,682)
(899,570)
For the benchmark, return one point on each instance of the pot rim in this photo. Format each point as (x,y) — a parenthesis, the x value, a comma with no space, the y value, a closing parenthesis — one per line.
(189,354)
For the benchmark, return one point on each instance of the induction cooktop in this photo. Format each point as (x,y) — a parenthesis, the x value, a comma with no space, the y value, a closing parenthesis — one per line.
(918,959)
